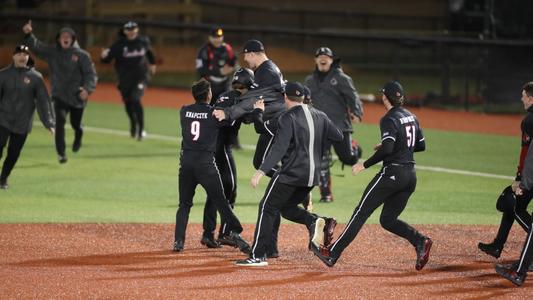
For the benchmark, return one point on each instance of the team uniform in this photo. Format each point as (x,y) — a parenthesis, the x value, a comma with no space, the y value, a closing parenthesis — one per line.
(401,135)
(21,91)
(516,209)
(197,166)
(334,94)
(226,167)
(210,60)
(298,144)
(131,63)
(70,69)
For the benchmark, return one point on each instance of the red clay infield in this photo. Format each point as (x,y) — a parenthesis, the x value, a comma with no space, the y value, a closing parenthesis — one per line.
(134,260)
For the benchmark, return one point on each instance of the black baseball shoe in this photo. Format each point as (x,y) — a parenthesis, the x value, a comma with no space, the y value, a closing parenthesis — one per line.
(252,262)
(510,274)
(77,142)
(316,232)
(329,228)
(516,264)
(240,242)
(323,254)
(226,240)
(422,253)
(178,246)
(209,242)
(3,184)
(491,249)
(62,159)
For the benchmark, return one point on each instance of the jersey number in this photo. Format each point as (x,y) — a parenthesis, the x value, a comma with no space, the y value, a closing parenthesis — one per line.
(411,135)
(195,130)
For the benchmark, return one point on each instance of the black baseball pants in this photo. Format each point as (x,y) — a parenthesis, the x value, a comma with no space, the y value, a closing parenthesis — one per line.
(16,142)
(198,167)
(519,214)
(228,172)
(62,110)
(279,198)
(526,257)
(392,187)
(131,96)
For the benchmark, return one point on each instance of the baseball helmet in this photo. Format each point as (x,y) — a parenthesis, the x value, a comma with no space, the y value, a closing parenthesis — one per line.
(507,200)
(244,76)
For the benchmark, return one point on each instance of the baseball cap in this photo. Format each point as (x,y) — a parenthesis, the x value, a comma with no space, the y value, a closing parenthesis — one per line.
(21,49)
(253,46)
(294,89)
(130,25)
(216,32)
(324,51)
(393,90)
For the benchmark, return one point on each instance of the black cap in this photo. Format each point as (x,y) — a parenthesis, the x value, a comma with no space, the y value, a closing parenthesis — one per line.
(394,91)
(294,89)
(21,49)
(216,32)
(324,51)
(253,46)
(130,25)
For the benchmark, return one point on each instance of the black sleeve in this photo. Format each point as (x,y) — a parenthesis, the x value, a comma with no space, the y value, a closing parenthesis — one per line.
(43,104)
(263,127)
(386,148)
(420,144)
(281,143)
(333,132)
(149,51)
(202,63)
(112,54)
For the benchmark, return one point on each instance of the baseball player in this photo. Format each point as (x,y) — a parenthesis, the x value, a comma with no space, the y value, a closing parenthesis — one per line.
(216,61)
(298,144)
(242,81)
(334,93)
(268,85)
(514,207)
(73,79)
(401,135)
(134,63)
(22,89)
(199,130)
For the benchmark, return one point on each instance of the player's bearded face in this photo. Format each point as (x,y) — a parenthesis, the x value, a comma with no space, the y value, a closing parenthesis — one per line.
(323,63)
(249,58)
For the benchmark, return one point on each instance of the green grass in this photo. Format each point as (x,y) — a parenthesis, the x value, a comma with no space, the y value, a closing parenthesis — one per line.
(117,179)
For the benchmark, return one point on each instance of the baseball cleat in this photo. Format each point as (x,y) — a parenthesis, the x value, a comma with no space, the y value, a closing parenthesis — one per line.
(329,228)
(510,274)
(3,184)
(209,242)
(491,249)
(317,231)
(178,246)
(226,240)
(240,242)
(62,159)
(252,262)
(422,253)
(323,254)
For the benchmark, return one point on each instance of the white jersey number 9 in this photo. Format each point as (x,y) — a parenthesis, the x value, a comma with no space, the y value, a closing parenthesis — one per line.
(195,130)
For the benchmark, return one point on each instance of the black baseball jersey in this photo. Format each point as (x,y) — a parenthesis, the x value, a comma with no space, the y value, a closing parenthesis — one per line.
(269,75)
(401,136)
(130,59)
(199,129)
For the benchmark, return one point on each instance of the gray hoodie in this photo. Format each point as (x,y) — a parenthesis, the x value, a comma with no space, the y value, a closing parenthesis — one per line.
(21,90)
(70,68)
(335,94)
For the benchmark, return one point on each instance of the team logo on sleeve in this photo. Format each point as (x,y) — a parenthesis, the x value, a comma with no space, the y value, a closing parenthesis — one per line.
(75,58)
(333,81)
(26,80)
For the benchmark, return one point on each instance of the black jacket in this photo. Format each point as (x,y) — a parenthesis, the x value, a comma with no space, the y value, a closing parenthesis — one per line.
(131,58)
(70,69)
(335,94)
(299,144)
(21,90)
(210,60)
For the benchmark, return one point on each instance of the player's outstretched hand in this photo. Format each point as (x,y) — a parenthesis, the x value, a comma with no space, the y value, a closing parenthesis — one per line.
(357,168)
(256,178)
(260,104)
(376,147)
(27,28)
(219,114)
(83,94)
(52,131)
(519,191)
(104,53)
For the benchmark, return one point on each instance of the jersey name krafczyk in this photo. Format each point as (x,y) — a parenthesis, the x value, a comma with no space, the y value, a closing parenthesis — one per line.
(196,115)
(409,119)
